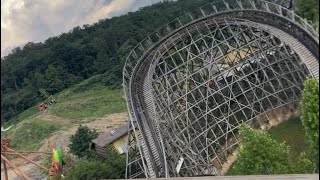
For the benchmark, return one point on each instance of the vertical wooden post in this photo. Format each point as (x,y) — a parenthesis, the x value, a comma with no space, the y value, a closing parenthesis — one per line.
(5,170)
(15,169)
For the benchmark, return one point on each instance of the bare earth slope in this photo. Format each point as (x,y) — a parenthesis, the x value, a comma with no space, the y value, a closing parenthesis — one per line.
(61,138)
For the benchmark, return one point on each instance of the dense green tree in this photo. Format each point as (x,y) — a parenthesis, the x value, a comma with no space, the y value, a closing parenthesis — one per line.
(308,9)
(304,165)
(260,154)
(53,79)
(125,49)
(101,48)
(96,167)
(85,51)
(80,141)
(310,115)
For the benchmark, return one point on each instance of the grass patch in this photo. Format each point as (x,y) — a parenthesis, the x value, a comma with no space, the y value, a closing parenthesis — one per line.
(87,100)
(292,133)
(29,135)
(20,117)
(81,102)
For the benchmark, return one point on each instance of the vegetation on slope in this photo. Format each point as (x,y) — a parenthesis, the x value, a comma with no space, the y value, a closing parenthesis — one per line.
(308,9)
(88,100)
(60,62)
(28,135)
(101,48)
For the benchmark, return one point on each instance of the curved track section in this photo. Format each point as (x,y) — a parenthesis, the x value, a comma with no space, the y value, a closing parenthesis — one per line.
(190,84)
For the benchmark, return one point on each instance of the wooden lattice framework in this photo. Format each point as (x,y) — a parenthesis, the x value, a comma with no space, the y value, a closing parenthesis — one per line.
(190,84)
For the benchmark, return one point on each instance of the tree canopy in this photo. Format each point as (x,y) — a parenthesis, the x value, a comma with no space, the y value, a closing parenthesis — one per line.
(80,141)
(101,48)
(310,115)
(97,167)
(260,154)
(62,61)
(308,9)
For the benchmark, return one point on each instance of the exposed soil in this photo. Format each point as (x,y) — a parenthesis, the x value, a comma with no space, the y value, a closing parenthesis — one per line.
(231,159)
(61,139)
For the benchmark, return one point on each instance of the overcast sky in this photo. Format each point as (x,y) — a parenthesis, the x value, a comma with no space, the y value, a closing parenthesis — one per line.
(25,21)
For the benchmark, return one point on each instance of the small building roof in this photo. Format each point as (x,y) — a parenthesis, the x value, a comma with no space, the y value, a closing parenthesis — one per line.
(109,137)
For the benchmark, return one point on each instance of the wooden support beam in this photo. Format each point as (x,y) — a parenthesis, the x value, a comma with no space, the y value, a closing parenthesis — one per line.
(29,160)
(27,152)
(15,168)
(21,152)
(5,170)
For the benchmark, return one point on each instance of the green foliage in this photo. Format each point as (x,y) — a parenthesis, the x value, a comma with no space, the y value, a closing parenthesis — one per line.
(60,62)
(310,115)
(28,136)
(80,141)
(308,9)
(88,100)
(304,165)
(98,49)
(24,115)
(63,61)
(260,154)
(68,161)
(97,167)
(292,133)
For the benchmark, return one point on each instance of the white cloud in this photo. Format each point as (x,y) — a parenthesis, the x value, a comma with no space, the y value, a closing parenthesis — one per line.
(24,21)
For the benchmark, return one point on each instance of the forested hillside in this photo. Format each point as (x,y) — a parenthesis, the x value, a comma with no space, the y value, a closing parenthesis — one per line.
(101,48)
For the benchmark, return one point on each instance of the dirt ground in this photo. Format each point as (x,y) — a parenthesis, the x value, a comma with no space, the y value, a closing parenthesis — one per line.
(12,174)
(61,138)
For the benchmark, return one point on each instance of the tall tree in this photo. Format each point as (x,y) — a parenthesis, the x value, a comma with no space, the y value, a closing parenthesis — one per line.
(260,154)
(80,141)
(52,77)
(310,115)
(308,9)
(97,167)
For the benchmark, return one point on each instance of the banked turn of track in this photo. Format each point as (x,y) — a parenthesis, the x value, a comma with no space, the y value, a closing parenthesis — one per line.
(147,152)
